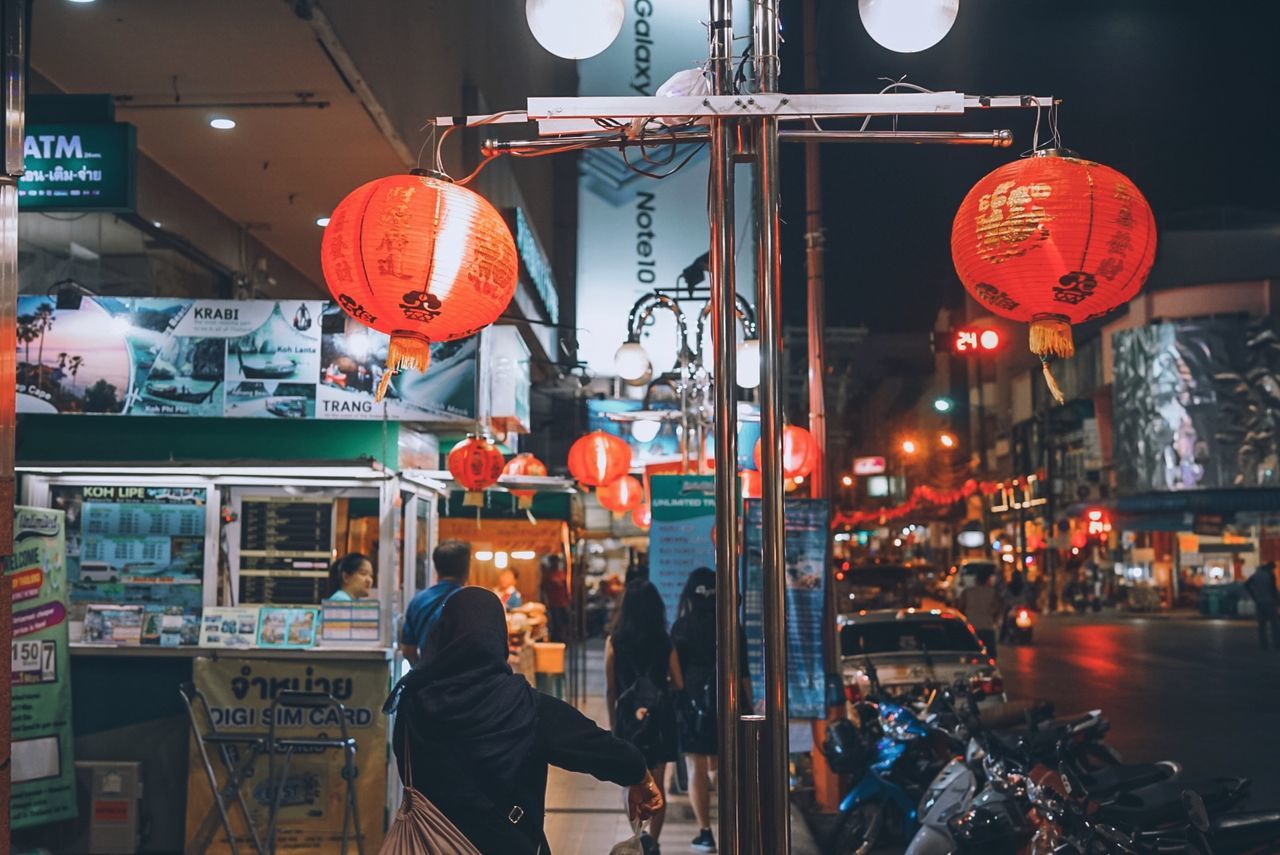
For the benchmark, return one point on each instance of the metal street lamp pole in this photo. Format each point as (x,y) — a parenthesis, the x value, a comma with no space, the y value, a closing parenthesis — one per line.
(774,772)
(720,266)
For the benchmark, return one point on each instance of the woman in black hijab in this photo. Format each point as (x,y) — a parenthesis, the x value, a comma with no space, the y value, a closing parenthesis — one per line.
(480,738)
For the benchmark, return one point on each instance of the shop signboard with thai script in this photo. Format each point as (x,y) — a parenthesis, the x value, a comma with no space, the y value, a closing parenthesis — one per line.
(43,767)
(79,167)
(241,694)
(636,234)
(271,359)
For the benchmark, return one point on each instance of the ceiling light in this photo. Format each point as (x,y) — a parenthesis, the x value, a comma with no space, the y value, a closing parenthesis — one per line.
(155,223)
(575,29)
(81,1)
(322,221)
(222,123)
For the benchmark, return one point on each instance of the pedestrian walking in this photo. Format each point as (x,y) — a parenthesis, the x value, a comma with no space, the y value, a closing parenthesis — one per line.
(452,560)
(641,672)
(555,596)
(1262,587)
(476,739)
(981,605)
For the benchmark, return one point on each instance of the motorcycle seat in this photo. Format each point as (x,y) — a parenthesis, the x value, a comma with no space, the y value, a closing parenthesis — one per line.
(1161,803)
(1108,781)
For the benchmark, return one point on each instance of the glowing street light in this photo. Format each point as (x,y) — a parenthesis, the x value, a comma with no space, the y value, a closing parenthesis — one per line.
(910,446)
(947,440)
(943,405)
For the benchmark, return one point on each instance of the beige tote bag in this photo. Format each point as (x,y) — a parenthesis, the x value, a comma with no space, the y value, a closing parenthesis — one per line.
(419,828)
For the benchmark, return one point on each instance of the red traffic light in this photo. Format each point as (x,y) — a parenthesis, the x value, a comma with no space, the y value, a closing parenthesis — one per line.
(973,340)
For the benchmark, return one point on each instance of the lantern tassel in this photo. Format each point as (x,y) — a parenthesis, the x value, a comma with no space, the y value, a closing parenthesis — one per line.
(405,351)
(1054,389)
(1051,336)
(532,519)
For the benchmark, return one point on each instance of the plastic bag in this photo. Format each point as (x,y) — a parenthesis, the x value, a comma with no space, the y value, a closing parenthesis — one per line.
(633,845)
(419,828)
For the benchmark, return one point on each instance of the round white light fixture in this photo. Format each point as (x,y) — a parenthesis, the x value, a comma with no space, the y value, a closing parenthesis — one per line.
(908,26)
(82,1)
(631,361)
(749,363)
(943,405)
(575,29)
(222,123)
(645,430)
(322,221)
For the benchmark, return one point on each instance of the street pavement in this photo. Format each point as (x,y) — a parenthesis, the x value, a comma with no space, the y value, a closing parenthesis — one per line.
(1176,687)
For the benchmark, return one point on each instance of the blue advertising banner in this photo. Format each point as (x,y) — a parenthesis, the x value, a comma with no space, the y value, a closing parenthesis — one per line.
(680,536)
(807,562)
(282,359)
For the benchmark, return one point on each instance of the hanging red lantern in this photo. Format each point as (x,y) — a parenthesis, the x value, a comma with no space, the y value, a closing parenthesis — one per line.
(476,464)
(525,464)
(1051,241)
(599,458)
(642,516)
(621,495)
(751,485)
(420,259)
(799,452)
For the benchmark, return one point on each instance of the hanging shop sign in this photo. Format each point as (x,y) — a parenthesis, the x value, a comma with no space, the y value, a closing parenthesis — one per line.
(681,534)
(285,359)
(868,465)
(240,693)
(807,560)
(79,167)
(636,234)
(43,768)
(535,267)
(510,379)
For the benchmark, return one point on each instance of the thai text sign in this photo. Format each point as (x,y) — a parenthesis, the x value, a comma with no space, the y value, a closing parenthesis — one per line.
(78,167)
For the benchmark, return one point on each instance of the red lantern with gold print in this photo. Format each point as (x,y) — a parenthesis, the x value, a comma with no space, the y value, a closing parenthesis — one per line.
(620,496)
(420,259)
(476,464)
(1053,240)
(799,452)
(525,464)
(599,458)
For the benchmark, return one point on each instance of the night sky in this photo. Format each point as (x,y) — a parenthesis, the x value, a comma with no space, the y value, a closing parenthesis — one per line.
(1181,97)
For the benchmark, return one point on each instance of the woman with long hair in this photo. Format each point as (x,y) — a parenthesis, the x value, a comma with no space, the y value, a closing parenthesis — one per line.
(694,638)
(476,739)
(641,669)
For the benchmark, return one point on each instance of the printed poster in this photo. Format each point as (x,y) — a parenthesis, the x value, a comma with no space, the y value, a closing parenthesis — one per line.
(229,626)
(681,533)
(281,359)
(287,629)
(134,544)
(120,626)
(240,693)
(807,563)
(43,765)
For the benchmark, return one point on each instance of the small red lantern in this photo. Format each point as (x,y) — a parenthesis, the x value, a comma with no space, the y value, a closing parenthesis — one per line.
(799,452)
(1051,241)
(599,458)
(475,463)
(420,259)
(525,464)
(751,485)
(642,516)
(620,496)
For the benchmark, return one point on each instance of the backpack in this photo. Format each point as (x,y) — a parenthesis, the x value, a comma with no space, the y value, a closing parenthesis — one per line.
(637,714)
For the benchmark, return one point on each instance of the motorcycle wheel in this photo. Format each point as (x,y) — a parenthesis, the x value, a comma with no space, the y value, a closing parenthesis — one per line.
(858,831)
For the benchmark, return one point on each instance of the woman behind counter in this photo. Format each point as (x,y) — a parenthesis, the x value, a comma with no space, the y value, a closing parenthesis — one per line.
(350,578)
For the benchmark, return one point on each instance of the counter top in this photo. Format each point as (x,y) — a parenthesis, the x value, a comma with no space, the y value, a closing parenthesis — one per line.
(363,653)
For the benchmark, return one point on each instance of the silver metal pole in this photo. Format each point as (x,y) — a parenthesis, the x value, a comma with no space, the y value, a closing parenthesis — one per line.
(720,266)
(754,729)
(13,42)
(996,139)
(774,770)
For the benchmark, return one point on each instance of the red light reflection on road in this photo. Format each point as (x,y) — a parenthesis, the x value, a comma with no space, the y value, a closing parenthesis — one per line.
(1096,649)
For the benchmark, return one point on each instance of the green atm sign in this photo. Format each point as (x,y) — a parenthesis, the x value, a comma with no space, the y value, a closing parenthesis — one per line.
(79,167)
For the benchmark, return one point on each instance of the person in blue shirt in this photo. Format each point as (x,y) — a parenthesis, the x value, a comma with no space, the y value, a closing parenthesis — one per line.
(452,560)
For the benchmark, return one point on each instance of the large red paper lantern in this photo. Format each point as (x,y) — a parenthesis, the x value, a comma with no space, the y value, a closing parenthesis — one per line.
(599,458)
(420,259)
(622,495)
(1053,240)
(476,464)
(799,452)
(642,516)
(525,464)
(751,484)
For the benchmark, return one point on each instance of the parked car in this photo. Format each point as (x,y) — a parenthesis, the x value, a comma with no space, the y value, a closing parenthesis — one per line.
(911,647)
(878,586)
(964,575)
